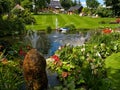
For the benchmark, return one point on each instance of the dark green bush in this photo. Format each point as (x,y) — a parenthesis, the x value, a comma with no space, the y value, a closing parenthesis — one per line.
(104,12)
(49,29)
(71,27)
(98,38)
(25,15)
(11,77)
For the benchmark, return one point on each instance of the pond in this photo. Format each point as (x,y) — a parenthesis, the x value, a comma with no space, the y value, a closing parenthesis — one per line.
(49,43)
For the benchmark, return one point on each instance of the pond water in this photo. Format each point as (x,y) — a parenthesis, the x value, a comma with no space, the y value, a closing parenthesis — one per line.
(59,39)
(49,43)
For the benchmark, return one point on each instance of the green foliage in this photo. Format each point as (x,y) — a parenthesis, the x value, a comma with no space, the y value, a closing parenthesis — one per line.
(98,38)
(71,27)
(114,5)
(8,24)
(86,11)
(66,3)
(49,29)
(27,4)
(113,65)
(85,65)
(10,76)
(93,4)
(25,15)
(104,12)
(5,6)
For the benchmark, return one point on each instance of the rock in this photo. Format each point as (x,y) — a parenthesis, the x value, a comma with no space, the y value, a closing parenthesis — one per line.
(34,68)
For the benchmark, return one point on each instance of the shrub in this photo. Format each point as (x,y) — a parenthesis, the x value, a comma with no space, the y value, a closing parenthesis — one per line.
(12,26)
(71,27)
(10,76)
(104,12)
(98,38)
(25,15)
(49,29)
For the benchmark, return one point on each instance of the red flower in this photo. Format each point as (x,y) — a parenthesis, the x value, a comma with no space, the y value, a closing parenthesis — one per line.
(21,52)
(56,58)
(107,31)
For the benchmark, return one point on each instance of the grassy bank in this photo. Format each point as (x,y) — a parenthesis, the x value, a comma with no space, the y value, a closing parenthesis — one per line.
(45,20)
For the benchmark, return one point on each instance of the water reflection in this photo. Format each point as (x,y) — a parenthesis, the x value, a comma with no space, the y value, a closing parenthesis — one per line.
(59,39)
(49,43)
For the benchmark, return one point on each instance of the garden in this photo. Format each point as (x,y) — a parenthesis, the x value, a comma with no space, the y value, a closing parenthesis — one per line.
(92,65)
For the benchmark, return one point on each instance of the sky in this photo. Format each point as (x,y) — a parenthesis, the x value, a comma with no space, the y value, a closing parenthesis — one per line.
(84,2)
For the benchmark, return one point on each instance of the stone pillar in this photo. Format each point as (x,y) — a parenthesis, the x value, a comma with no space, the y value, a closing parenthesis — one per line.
(34,68)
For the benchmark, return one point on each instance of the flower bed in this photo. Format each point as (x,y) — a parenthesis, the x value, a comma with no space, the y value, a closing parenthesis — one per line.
(83,67)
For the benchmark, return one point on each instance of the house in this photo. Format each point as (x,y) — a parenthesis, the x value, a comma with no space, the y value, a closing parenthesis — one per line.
(55,6)
(75,9)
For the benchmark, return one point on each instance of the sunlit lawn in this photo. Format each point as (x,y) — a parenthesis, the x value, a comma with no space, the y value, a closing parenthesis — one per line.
(45,20)
(113,65)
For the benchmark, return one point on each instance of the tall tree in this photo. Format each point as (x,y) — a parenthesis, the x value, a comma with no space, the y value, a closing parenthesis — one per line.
(5,7)
(66,3)
(115,6)
(93,4)
(79,2)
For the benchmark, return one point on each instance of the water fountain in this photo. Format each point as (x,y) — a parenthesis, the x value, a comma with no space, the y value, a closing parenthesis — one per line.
(38,40)
(56,23)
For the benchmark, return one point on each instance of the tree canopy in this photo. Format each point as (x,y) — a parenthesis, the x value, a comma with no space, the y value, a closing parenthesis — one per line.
(4,6)
(93,4)
(115,6)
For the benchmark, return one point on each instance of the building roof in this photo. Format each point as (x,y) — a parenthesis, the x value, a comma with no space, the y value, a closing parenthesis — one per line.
(55,4)
(18,7)
(77,7)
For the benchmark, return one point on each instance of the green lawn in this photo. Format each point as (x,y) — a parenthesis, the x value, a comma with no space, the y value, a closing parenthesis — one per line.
(45,20)
(113,65)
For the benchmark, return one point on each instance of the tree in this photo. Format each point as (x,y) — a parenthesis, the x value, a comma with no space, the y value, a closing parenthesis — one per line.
(66,3)
(4,6)
(93,5)
(115,6)
(79,2)
(75,2)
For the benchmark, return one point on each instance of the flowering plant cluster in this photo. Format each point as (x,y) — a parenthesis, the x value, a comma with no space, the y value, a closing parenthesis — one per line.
(107,30)
(18,50)
(84,66)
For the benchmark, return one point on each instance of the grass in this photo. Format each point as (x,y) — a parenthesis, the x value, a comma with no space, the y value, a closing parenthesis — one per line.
(113,65)
(45,20)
